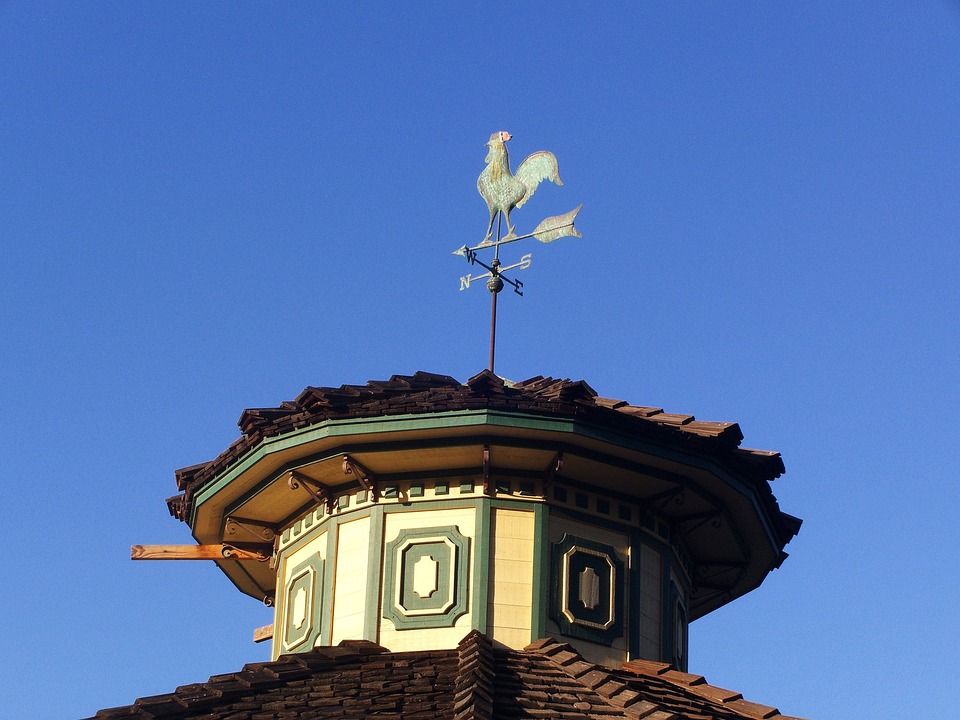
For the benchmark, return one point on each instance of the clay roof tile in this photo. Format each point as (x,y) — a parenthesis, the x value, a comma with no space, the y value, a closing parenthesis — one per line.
(425,392)
(476,681)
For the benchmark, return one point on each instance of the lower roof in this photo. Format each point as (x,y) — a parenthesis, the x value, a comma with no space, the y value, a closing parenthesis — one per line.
(476,681)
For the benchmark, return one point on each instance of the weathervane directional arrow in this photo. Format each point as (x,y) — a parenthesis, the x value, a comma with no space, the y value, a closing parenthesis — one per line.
(497,270)
(503,191)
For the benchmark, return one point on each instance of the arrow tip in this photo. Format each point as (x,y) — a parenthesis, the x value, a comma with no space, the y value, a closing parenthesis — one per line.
(461,251)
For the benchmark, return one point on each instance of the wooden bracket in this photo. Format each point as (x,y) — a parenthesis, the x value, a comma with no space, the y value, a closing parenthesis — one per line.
(662,500)
(690,523)
(488,488)
(260,531)
(366,479)
(245,551)
(556,465)
(314,489)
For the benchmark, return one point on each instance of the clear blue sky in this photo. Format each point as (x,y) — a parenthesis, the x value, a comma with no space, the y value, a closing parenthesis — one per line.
(209,206)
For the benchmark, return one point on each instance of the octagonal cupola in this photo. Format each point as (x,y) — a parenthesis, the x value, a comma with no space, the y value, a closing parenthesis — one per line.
(411,511)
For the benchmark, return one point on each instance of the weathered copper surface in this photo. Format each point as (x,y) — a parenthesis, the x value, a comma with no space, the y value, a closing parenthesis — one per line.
(557,226)
(503,190)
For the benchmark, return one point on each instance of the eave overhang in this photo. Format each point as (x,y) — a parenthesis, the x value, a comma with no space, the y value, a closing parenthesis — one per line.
(729,522)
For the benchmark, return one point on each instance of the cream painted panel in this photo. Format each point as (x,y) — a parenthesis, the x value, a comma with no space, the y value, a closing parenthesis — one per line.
(509,570)
(316,544)
(650,618)
(512,637)
(350,584)
(510,597)
(510,616)
(512,593)
(464,519)
(425,639)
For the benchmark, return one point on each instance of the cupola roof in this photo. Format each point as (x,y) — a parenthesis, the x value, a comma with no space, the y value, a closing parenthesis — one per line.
(425,393)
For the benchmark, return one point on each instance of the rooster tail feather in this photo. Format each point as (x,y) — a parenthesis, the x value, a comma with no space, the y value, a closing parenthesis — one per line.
(537,167)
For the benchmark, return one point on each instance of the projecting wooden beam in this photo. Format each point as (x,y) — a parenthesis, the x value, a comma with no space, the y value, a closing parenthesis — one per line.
(197,552)
(263,633)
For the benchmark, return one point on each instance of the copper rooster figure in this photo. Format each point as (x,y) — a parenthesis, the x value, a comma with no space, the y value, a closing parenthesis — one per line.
(503,190)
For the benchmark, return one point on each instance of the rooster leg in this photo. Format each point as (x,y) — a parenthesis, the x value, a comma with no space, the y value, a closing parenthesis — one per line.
(510,228)
(493,216)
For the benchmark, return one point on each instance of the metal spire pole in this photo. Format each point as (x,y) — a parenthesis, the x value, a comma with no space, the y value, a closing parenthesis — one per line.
(494,285)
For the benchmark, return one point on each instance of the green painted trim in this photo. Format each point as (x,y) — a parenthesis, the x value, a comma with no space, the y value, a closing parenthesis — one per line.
(453,504)
(329,521)
(454,576)
(444,558)
(362,426)
(541,571)
(577,627)
(434,421)
(371,620)
(666,611)
(472,418)
(634,601)
(358,426)
(317,593)
(330,568)
(481,566)
(514,503)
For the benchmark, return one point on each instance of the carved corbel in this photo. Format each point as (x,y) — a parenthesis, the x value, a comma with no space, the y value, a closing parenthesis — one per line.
(488,488)
(553,469)
(246,530)
(366,479)
(314,489)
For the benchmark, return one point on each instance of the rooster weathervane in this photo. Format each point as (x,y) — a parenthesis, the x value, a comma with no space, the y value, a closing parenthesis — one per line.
(503,191)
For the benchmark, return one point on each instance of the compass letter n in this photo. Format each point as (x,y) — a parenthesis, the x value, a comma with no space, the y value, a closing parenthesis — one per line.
(465,282)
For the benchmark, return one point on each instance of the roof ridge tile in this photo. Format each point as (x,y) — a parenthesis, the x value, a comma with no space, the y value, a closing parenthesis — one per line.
(473,697)
(359,678)
(608,686)
(159,706)
(698,686)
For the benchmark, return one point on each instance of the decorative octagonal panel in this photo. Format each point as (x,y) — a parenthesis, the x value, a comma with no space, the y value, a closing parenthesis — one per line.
(425,577)
(587,590)
(303,597)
